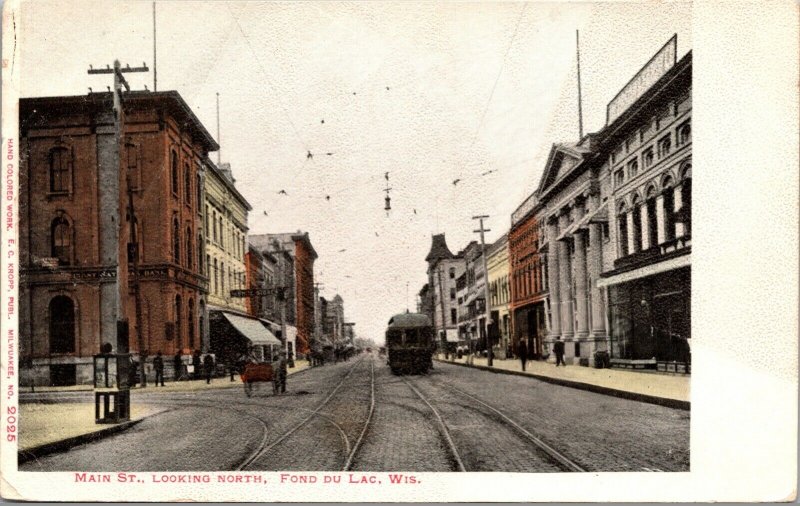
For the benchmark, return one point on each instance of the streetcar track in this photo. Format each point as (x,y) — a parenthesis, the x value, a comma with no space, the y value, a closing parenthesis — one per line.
(263,449)
(554,454)
(445,433)
(351,454)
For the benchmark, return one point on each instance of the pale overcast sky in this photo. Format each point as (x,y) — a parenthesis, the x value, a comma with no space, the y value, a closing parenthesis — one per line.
(427,92)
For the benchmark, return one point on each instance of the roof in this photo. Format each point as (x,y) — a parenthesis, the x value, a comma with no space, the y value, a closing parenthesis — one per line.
(228,184)
(439,249)
(409,320)
(252,329)
(31,109)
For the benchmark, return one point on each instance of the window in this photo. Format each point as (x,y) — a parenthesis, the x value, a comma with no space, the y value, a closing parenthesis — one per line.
(622,219)
(216,281)
(633,168)
(686,200)
(221,233)
(174,164)
(669,211)
(214,221)
(606,232)
(452,272)
(452,294)
(664,146)
(453,316)
(61,312)
(619,177)
(199,187)
(189,249)
(637,226)
(652,219)
(200,248)
(60,238)
(222,277)
(187,183)
(647,157)
(178,322)
(176,241)
(59,170)
(684,134)
(190,323)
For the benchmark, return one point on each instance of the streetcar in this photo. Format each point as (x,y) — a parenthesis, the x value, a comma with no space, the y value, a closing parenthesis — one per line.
(410,343)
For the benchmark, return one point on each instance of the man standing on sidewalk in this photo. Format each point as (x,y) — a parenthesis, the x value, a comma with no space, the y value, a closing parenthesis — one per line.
(178,364)
(558,349)
(158,367)
(523,353)
(208,365)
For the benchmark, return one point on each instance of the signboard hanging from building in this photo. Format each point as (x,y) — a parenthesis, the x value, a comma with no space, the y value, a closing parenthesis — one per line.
(659,64)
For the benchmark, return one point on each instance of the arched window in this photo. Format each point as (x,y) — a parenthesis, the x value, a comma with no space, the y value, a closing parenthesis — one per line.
(174,164)
(222,277)
(178,322)
(669,209)
(187,184)
(622,224)
(59,170)
(176,241)
(62,324)
(200,266)
(189,249)
(190,323)
(221,233)
(199,186)
(652,218)
(61,241)
(637,224)
(684,133)
(201,318)
(686,200)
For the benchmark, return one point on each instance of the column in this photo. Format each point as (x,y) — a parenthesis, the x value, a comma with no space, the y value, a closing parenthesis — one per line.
(631,233)
(595,265)
(581,295)
(565,283)
(661,232)
(645,227)
(680,229)
(553,286)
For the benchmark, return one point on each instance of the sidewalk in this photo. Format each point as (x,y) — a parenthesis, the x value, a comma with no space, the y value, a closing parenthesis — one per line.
(655,388)
(51,427)
(169,385)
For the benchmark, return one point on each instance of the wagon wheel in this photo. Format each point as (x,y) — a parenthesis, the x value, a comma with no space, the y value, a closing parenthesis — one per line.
(248,388)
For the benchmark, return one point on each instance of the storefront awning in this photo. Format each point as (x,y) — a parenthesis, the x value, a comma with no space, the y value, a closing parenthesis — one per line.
(252,329)
(648,270)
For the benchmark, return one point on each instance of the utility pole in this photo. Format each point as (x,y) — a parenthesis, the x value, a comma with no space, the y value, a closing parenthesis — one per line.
(317,318)
(441,302)
(486,289)
(580,101)
(155,62)
(219,151)
(122,271)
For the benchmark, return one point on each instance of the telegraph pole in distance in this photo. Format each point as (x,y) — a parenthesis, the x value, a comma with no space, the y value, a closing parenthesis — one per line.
(486,289)
(122,288)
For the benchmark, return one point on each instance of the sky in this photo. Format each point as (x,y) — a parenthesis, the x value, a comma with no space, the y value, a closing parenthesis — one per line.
(429,92)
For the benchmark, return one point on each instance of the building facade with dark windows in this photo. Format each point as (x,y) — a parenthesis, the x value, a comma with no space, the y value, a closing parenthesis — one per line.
(444,268)
(499,295)
(297,275)
(528,280)
(647,152)
(80,240)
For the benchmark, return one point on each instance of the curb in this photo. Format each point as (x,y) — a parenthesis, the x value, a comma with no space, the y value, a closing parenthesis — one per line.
(66,444)
(623,394)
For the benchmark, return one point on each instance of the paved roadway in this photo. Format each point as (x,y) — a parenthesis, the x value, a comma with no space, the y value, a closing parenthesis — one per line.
(357,415)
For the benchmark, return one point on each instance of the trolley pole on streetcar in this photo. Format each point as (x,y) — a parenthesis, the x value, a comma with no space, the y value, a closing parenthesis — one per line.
(490,357)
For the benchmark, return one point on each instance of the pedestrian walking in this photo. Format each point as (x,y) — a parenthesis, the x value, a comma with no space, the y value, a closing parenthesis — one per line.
(196,364)
(177,363)
(523,353)
(558,349)
(158,367)
(208,364)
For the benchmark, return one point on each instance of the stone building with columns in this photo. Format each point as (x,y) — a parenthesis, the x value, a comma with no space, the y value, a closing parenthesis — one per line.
(616,210)
(647,155)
